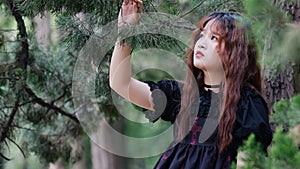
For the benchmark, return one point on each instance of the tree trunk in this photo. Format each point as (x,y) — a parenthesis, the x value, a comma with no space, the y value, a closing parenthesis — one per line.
(280,87)
(43,29)
(1,163)
(297,79)
(104,160)
(59,164)
(78,153)
(77,157)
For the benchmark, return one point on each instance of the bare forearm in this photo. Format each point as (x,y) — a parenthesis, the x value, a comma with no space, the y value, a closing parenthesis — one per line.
(120,69)
(120,79)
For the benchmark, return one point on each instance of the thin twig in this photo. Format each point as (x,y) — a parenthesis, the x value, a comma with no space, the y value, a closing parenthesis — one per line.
(4,157)
(194,8)
(63,94)
(5,78)
(22,104)
(24,128)
(7,52)
(17,146)
(8,30)
(51,106)
(6,144)
(4,131)
(22,58)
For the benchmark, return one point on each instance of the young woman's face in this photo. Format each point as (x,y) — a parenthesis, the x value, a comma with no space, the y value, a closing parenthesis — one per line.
(205,56)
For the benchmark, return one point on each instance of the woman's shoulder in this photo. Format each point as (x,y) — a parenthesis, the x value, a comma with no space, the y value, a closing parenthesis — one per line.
(166,98)
(252,116)
(249,93)
(168,86)
(252,103)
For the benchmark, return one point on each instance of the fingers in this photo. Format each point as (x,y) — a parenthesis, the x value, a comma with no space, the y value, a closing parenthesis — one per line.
(126,2)
(132,6)
(139,3)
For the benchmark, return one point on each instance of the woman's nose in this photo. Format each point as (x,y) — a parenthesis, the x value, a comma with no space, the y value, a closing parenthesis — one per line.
(202,43)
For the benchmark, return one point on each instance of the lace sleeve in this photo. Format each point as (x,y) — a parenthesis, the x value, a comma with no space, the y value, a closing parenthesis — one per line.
(166,100)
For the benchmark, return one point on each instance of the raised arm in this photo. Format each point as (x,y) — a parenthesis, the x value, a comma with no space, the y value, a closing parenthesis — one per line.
(120,79)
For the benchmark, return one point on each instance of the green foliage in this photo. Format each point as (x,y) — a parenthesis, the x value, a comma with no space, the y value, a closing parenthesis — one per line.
(45,143)
(267,20)
(291,45)
(103,93)
(254,156)
(194,10)
(291,1)
(49,71)
(287,112)
(284,152)
(277,41)
(19,162)
(170,7)
(87,145)
(69,6)
(49,75)
(8,44)
(149,40)
(223,5)
(75,32)
(78,28)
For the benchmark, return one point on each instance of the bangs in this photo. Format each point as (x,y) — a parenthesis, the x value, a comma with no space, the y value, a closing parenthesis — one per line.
(218,28)
(225,25)
(222,23)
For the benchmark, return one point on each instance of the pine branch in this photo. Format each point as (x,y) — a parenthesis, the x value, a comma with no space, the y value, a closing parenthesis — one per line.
(17,146)
(6,67)
(24,128)
(5,78)
(65,88)
(4,157)
(49,105)
(11,106)
(8,30)
(22,59)
(194,8)
(4,130)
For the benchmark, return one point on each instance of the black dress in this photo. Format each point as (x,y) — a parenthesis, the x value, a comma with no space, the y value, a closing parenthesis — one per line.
(189,153)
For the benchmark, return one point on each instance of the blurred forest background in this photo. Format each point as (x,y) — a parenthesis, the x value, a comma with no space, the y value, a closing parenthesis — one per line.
(40,41)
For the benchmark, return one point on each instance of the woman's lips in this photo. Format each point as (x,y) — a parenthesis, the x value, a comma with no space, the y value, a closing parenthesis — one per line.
(199,54)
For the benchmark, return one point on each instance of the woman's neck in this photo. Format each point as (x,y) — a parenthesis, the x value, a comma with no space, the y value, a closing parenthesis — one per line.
(213,81)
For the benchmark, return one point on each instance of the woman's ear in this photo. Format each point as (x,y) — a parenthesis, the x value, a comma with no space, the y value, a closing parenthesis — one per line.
(222,46)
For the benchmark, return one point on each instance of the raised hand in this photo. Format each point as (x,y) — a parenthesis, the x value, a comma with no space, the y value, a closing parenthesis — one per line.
(129,13)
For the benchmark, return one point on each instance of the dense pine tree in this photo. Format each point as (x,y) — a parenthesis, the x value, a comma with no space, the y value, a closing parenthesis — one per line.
(36,82)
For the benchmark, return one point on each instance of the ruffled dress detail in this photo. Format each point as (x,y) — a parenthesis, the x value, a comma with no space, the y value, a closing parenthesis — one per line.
(190,153)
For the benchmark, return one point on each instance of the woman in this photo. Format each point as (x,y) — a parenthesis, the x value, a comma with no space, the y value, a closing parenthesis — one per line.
(223,63)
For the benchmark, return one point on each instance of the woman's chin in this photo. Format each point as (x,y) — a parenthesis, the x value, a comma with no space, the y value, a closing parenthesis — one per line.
(199,65)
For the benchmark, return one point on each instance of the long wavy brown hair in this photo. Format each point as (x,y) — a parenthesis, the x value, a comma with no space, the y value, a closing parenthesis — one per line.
(239,58)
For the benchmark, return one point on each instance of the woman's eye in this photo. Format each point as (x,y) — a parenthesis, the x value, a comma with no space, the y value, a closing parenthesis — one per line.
(214,38)
(200,35)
